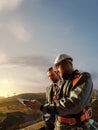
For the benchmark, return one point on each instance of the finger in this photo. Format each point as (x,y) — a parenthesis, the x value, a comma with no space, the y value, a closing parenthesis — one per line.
(33,101)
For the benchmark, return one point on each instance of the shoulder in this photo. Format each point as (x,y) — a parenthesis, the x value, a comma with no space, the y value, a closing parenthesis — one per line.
(49,87)
(86,74)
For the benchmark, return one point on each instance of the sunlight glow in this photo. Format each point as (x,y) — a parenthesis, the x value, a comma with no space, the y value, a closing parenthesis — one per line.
(3,57)
(7,88)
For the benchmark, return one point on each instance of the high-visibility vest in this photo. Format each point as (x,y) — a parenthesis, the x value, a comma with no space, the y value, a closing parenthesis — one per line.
(76,79)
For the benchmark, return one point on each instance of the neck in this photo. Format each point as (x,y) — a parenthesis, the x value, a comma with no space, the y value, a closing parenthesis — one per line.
(70,75)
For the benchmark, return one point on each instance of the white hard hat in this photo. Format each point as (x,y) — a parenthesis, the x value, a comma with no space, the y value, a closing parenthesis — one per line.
(62,57)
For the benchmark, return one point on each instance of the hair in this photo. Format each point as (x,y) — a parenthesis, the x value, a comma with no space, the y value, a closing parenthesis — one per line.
(51,68)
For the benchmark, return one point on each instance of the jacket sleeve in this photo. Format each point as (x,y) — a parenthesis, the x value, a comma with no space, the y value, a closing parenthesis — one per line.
(78,98)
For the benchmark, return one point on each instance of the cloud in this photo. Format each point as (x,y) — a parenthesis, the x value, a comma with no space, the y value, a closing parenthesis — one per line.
(29,71)
(15,28)
(40,62)
(19,30)
(9,5)
(3,57)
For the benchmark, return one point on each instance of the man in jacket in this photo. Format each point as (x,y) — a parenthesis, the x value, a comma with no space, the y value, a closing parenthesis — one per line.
(73,100)
(55,79)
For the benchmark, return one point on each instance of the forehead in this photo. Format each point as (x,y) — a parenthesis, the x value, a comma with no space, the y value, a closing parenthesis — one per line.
(59,64)
(62,63)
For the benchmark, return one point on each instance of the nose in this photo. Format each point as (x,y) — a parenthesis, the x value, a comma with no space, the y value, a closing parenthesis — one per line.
(57,72)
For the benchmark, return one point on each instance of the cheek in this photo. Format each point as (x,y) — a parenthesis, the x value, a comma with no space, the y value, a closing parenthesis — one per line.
(60,71)
(51,78)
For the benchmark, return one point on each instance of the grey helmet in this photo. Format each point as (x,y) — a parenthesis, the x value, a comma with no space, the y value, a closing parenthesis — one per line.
(62,57)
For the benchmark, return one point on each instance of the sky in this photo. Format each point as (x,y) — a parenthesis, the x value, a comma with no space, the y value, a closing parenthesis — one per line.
(34,32)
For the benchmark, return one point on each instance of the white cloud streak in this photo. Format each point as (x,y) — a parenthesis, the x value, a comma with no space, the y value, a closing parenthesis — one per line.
(9,5)
(17,29)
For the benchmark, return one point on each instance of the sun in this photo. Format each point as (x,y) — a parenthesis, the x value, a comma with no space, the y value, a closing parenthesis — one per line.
(7,88)
(4,81)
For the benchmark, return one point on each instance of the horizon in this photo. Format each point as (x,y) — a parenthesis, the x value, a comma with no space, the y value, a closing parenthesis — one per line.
(15,95)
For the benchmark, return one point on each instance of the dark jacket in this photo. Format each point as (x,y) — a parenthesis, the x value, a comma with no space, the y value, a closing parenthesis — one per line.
(72,100)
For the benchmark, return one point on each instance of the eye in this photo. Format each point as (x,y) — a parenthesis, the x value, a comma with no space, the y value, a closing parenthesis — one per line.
(57,67)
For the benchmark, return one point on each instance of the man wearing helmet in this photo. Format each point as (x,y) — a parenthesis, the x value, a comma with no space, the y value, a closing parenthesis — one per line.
(72,105)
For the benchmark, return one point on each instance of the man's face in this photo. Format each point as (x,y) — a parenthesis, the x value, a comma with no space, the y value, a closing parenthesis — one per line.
(53,76)
(62,68)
